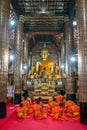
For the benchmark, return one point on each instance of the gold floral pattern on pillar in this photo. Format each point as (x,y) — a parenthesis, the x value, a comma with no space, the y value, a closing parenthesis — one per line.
(81,14)
(4,16)
(18,56)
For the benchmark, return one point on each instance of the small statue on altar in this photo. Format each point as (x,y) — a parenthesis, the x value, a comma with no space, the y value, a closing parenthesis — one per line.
(46,65)
(39,84)
(35,83)
(33,69)
(56,69)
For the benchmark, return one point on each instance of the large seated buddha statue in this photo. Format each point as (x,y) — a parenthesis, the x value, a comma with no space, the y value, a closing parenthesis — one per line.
(45,66)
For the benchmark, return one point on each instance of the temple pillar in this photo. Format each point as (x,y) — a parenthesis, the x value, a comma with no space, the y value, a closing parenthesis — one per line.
(75,74)
(59,58)
(18,60)
(25,59)
(26,50)
(30,60)
(70,90)
(81,15)
(62,67)
(4,18)
(62,54)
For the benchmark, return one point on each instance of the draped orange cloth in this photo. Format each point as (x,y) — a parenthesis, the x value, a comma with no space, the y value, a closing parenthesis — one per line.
(46,65)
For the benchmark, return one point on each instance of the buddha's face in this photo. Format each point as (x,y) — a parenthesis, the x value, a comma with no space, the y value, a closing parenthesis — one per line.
(44,55)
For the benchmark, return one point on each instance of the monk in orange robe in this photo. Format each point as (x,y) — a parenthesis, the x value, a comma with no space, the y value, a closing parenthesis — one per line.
(21,112)
(68,104)
(38,111)
(55,110)
(59,99)
(75,110)
(25,103)
(51,105)
(72,110)
(57,113)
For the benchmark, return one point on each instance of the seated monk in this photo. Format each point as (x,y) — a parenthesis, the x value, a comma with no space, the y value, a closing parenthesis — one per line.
(51,105)
(68,104)
(72,110)
(21,112)
(38,111)
(59,100)
(26,102)
(57,113)
(27,105)
(40,102)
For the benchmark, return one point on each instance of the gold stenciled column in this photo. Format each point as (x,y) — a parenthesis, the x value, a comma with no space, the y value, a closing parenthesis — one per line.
(4,18)
(81,15)
(26,59)
(62,52)
(18,60)
(26,49)
(30,59)
(70,90)
(59,58)
(62,67)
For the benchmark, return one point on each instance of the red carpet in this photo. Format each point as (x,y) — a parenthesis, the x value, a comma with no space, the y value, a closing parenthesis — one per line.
(10,112)
(47,124)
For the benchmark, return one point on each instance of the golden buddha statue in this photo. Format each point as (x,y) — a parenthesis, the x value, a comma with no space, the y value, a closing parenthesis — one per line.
(45,66)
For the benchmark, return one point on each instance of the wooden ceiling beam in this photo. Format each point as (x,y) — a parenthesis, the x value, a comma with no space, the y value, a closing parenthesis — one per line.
(42,33)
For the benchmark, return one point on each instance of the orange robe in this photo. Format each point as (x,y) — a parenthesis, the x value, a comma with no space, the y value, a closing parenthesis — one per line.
(57,113)
(47,65)
(68,104)
(51,105)
(25,103)
(38,112)
(72,110)
(21,112)
(59,99)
